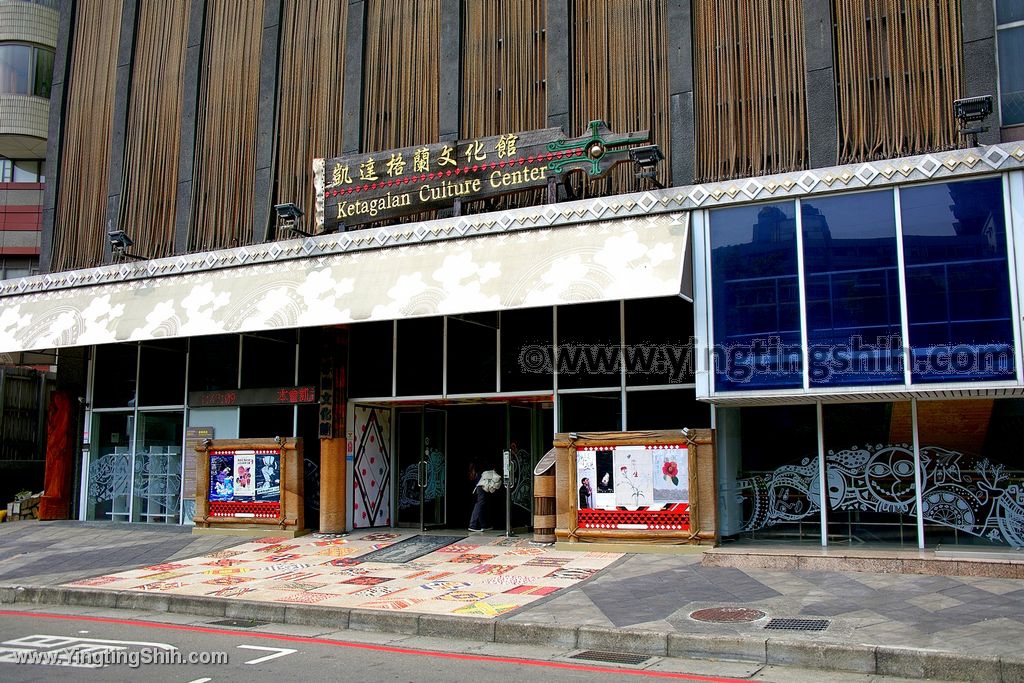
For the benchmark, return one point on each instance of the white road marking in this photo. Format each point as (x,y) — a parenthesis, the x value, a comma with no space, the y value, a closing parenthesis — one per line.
(201,680)
(278,652)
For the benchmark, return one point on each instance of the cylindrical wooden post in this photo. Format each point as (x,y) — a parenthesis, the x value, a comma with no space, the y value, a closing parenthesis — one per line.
(332,485)
(544,507)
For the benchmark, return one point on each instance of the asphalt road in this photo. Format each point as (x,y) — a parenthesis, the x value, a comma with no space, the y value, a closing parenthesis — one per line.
(46,646)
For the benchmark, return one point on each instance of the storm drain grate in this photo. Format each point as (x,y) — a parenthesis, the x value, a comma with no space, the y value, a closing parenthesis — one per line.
(239,623)
(611,657)
(798,624)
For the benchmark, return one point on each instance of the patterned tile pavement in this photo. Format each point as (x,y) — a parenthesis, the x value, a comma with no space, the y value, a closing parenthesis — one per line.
(479,576)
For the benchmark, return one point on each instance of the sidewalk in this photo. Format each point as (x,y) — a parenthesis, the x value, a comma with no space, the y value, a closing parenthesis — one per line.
(488,589)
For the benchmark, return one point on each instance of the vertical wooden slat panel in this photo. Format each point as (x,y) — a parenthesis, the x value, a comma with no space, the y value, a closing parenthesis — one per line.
(503,70)
(312,70)
(899,66)
(749,95)
(153,136)
(619,62)
(79,231)
(226,118)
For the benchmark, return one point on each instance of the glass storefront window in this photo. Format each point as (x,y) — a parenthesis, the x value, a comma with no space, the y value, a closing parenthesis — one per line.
(156,487)
(526,354)
(115,374)
(596,412)
(659,337)
(869,465)
(958,286)
(162,373)
(756,297)
(110,467)
(972,472)
(666,409)
(370,349)
(420,366)
(25,70)
(473,353)
(852,288)
(588,346)
(213,363)
(268,359)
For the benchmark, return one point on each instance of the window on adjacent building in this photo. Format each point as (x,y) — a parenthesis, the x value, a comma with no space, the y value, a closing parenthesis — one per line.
(25,69)
(22,171)
(1010,39)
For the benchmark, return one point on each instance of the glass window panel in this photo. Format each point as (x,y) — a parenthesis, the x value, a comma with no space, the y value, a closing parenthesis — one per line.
(526,337)
(659,337)
(958,294)
(370,350)
(162,373)
(1008,11)
(43,75)
(597,412)
(973,472)
(1011,74)
(6,168)
(756,297)
(869,464)
(768,488)
(265,422)
(213,363)
(156,486)
(26,171)
(110,467)
(15,65)
(420,356)
(588,345)
(115,372)
(666,409)
(473,353)
(268,359)
(852,285)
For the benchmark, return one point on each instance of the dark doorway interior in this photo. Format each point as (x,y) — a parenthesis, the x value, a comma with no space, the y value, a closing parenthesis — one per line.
(475,433)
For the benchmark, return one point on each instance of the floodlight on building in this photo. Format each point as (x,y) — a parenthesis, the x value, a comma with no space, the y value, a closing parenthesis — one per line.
(119,243)
(972,110)
(288,217)
(646,159)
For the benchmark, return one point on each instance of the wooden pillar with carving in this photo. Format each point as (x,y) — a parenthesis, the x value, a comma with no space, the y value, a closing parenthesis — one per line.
(334,358)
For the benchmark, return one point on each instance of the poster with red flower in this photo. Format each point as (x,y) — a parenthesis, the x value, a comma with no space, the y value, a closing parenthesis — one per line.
(672,475)
(245,464)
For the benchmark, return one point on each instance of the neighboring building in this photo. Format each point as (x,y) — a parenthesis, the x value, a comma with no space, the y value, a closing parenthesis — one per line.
(812,197)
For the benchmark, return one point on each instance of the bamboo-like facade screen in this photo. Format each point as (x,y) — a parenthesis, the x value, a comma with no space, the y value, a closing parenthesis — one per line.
(149,181)
(618,59)
(310,96)
(899,66)
(401,74)
(749,93)
(80,232)
(226,121)
(503,71)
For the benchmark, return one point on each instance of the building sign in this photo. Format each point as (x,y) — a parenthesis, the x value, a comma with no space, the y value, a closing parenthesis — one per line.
(360,188)
(252,397)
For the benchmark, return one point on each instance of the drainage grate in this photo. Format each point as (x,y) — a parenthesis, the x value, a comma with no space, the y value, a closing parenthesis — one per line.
(239,623)
(798,624)
(611,657)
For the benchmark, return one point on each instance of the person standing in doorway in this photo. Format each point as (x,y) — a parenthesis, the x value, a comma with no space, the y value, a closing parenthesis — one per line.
(476,519)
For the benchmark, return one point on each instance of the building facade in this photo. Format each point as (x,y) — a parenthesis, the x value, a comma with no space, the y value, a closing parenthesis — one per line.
(831,269)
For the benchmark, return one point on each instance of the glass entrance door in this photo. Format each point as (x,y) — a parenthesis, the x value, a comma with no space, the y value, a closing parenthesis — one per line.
(523,452)
(422,467)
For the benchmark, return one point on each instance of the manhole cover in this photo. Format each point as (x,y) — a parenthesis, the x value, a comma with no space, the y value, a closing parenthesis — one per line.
(727,615)
(797,624)
(610,657)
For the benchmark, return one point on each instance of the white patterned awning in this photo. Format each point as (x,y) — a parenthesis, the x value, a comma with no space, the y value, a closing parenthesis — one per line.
(315,282)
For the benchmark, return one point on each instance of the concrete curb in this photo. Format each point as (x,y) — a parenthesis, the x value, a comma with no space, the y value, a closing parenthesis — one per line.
(853,657)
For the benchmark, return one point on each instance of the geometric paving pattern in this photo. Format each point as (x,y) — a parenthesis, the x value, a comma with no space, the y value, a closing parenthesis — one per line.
(488,576)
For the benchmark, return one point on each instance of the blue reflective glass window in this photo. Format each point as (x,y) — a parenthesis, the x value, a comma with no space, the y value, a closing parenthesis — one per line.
(756,297)
(851,280)
(958,283)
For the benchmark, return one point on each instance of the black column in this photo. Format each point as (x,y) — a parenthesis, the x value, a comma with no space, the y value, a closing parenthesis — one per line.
(680,89)
(978,25)
(820,83)
(556,81)
(55,129)
(450,90)
(125,53)
(266,126)
(352,105)
(189,103)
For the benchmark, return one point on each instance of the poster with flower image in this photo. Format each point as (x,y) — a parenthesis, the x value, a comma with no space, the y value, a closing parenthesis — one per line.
(633,484)
(671,475)
(245,482)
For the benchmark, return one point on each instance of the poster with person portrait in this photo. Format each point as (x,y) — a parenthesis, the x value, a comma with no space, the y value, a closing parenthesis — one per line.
(222,477)
(245,484)
(586,479)
(671,474)
(604,467)
(268,477)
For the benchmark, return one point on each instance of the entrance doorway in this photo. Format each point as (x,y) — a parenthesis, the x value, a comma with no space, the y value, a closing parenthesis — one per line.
(435,446)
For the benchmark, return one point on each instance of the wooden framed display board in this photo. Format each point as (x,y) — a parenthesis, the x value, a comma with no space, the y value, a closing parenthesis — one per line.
(636,487)
(250,484)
